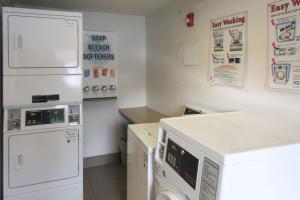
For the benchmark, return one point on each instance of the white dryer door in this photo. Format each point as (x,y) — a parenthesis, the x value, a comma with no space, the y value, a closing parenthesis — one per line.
(43,157)
(167,195)
(43,42)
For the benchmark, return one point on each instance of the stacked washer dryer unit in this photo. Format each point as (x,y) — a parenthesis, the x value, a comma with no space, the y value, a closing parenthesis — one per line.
(42,105)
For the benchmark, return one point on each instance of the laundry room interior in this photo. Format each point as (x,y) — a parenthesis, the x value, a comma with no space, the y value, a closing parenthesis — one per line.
(150,100)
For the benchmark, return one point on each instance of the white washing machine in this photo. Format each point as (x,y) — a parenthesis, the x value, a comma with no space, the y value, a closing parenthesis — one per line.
(141,148)
(229,156)
(140,156)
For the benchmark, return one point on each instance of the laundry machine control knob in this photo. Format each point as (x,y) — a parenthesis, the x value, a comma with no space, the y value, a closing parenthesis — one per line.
(13,124)
(182,152)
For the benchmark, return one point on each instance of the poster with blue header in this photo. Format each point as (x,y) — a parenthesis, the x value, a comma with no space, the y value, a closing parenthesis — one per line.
(284,45)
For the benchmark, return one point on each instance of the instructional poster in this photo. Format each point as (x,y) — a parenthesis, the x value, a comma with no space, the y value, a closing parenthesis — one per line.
(228,50)
(100,64)
(284,45)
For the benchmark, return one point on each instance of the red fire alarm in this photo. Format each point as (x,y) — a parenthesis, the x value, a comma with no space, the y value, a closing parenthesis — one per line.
(190,19)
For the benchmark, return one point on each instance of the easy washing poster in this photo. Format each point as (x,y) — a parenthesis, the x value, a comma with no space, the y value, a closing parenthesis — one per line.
(284,45)
(228,50)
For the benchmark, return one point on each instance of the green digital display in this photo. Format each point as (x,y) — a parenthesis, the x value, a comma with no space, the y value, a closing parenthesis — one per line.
(174,147)
(40,117)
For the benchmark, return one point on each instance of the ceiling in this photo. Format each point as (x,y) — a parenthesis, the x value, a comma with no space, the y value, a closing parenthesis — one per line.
(133,7)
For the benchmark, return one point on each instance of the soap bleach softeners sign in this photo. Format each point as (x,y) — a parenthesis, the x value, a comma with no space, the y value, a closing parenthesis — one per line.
(100,64)
(284,45)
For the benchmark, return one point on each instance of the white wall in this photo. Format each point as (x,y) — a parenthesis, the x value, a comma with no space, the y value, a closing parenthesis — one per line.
(170,86)
(103,125)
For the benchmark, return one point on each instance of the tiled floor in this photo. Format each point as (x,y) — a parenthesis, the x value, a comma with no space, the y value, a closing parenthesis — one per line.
(105,183)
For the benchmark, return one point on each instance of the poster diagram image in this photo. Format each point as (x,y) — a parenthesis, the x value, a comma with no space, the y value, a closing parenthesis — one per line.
(218,59)
(236,40)
(296,76)
(234,59)
(218,41)
(286,31)
(285,51)
(281,73)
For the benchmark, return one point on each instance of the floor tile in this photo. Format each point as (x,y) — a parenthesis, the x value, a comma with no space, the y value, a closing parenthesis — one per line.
(105,183)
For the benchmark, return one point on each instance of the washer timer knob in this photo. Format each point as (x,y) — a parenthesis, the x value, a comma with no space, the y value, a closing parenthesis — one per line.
(182,152)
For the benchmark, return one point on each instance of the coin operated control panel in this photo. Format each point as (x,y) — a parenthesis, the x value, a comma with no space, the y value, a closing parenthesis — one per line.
(40,117)
(189,170)
(14,119)
(184,163)
(33,118)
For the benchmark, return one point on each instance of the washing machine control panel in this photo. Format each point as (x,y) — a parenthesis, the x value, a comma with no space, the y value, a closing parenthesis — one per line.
(183,168)
(184,163)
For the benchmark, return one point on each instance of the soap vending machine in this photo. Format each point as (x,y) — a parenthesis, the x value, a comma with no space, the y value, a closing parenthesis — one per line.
(100,63)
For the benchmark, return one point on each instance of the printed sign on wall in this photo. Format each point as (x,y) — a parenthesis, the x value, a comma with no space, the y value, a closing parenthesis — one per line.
(284,45)
(228,50)
(99,64)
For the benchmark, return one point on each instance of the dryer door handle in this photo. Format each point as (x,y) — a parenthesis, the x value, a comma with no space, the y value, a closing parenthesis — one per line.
(19,161)
(18,41)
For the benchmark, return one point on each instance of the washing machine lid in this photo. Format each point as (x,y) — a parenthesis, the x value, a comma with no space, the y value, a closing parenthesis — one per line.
(146,134)
(167,195)
(228,137)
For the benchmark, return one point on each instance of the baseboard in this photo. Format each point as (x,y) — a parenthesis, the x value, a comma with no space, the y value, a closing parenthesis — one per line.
(101,160)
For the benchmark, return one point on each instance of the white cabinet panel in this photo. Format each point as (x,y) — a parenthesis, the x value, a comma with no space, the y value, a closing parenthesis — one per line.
(137,170)
(43,157)
(67,87)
